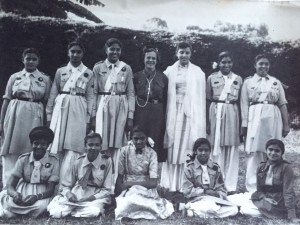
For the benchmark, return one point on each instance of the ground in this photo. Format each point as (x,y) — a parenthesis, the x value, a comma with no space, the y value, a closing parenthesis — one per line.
(292,154)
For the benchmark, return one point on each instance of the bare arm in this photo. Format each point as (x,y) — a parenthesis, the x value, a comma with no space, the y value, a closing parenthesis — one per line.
(285,122)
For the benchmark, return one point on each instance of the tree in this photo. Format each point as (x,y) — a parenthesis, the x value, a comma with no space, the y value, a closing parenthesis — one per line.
(91,2)
(263,30)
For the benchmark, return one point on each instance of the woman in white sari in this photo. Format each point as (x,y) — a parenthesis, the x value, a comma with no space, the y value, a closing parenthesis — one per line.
(185,115)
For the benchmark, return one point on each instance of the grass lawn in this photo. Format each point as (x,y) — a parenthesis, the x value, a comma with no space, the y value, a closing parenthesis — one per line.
(292,154)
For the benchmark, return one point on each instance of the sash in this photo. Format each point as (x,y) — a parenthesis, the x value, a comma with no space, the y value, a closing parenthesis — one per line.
(56,115)
(105,99)
(219,107)
(255,115)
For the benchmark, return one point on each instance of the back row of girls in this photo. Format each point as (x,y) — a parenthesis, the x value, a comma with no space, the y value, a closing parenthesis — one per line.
(169,106)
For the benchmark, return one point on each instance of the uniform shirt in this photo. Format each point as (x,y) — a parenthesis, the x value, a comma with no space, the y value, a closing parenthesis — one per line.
(40,85)
(215,85)
(124,82)
(158,86)
(101,175)
(283,179)
(49,169)
(137,166)
(84,85)
(192,185)
(251,92)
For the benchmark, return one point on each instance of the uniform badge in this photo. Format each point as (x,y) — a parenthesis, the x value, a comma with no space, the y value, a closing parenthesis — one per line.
(63,74)
(102,167)
(47,165)
(40,79)
(275,83)
(18,78)
(216,82)
(124,69)
(86,74)
(235,82)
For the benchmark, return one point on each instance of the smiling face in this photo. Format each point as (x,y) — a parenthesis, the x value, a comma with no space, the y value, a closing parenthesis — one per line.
(30,61)
(75,54)
(225,65)
(150,60)
(184,55)
(262,67)
(274,153)
(39,148)
(93,147)
(113,52)
(139,140)
(203,152)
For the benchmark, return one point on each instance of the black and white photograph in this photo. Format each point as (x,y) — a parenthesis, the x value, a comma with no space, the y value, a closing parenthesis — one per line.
(142,112)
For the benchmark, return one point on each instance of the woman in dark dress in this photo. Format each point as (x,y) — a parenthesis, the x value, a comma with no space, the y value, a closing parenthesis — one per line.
(151,87)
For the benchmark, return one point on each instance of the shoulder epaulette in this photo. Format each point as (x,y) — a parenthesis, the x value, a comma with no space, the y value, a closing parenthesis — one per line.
(25,154)
(81,156)
(102,61)
(53,155)
(248,77)
(190,163)
(63,65)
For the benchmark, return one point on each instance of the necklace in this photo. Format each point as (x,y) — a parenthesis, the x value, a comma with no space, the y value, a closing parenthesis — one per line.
(148,92)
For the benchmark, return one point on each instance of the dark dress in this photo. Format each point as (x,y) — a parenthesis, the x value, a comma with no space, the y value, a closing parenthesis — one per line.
(150,114)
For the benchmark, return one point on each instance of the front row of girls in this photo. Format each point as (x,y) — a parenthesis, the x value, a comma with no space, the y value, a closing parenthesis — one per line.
(169,106)
(88,188)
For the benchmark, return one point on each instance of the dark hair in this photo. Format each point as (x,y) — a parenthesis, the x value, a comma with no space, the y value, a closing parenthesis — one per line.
(76,43)
(41,133)
(199,142)
(276,142)
(92,135)
(112,41)
(150,49)
(30,50)
(137,128)
(223,55)
(184,45)
(261,56)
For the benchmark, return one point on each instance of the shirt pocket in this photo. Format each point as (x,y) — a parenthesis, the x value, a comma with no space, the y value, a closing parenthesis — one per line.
(99,177)
(46,173)
(274,93)
(235,89)
(81,84)
(217,88)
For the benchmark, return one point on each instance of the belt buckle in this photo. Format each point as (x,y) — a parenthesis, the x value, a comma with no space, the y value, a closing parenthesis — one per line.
(155,101)
(227,101)
(265,102)
(113,93)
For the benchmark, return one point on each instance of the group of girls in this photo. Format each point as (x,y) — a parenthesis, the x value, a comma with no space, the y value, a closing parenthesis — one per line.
(175,108)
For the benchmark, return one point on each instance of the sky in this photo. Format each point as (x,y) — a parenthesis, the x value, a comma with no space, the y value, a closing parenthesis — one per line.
(282,17)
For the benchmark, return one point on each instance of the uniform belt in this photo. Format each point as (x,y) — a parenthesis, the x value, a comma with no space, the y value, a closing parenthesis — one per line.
(28,100)
(262,102)
(154,101)
(272,188)
(69,93)
(225,101)
(111,93)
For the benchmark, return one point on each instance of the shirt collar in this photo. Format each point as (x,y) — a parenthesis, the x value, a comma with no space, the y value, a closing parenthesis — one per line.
(258,78)
(43,160)
(221,75)
(34,73)
(198,164)
(275,164)
(78,68)
(96,163)
(108,63)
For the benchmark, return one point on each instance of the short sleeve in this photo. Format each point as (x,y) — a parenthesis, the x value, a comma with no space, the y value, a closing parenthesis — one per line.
(8,90)
(281,100)
(55,172)
(18,169)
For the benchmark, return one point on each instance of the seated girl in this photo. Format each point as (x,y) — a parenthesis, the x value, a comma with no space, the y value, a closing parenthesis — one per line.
(275,196)
(203,185)
(32,183)
(137,181)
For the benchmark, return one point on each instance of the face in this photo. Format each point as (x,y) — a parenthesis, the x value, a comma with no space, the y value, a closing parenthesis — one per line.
(93,147)
(150,60)
(184,55)
(274,153)
(225,65)
(39,148)
(139,140)
(203,152)
(113,53)
(75,54)
(30,61)
(262,67)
